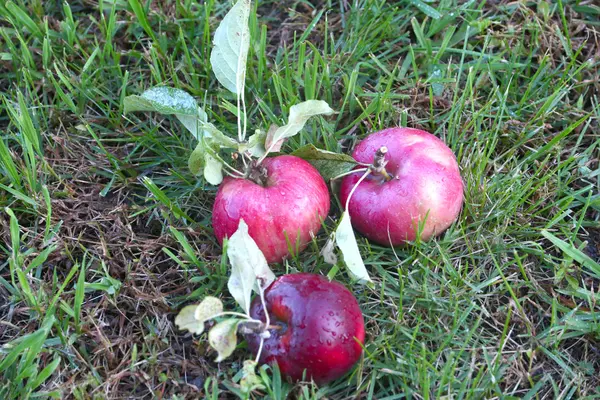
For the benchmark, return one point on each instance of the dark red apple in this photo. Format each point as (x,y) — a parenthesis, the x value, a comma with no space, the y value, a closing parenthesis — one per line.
(321,327)
(289,200)
(426,187)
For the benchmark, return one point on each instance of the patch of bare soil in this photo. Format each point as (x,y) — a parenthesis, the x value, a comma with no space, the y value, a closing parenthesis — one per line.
(133,292)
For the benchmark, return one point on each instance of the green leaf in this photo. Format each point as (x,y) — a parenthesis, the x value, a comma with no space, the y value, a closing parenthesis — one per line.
(328,163)
(574,253)
(23,20)
(213,170)
(247,264)
(241,281)
(196,160)
(217,137)
(79,295)
(163,99)
(231,44)
(427,9)
(222,337)
(186,320)
(269,144)
(208,308)
(141,18)
(544,8)
(204,159)
(255,145)
(245,246)
(193,317)
(45,374)
(162,197)
(40,258)
(107,284)
(32,343)
(250,381)
(172,101)
(193,123)
(19,195)
(328,252)
(436,73)
(346,241)
(299,114)
(583,9)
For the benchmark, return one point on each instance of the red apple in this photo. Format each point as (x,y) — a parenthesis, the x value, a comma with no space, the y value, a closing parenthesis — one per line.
(426,187)
(291,200)
(321,327)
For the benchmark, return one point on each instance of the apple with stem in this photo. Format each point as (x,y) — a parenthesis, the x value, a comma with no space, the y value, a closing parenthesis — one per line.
(414,188)
(316,328)
(283,200)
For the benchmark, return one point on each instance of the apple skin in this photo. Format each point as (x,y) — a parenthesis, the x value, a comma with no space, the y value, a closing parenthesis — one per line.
(294,201)
(322,328)
(426,185)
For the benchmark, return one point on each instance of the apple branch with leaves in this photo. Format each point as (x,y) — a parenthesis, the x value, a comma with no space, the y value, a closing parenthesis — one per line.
(229,60)
(249,273)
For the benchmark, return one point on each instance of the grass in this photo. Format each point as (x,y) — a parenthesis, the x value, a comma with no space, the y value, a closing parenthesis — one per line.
(105,235)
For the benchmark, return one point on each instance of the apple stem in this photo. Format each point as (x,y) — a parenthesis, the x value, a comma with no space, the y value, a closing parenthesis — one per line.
(257,173)
(275,327)
(235,314)
(260,347)
(362,178)
(232,174)
(261,293)
(379,163)
(353,171)
(228,170)
(243,156)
